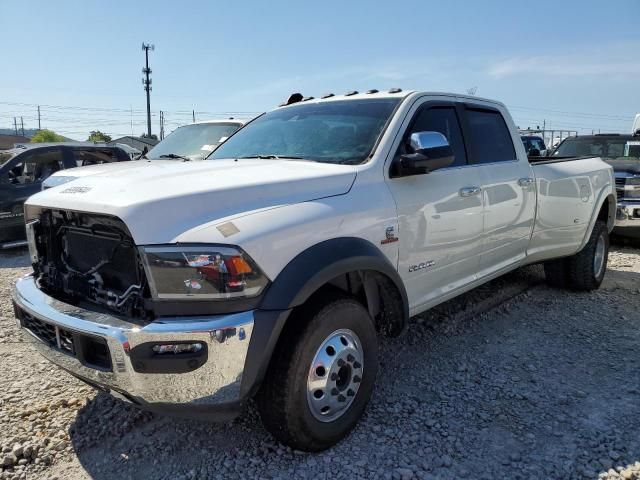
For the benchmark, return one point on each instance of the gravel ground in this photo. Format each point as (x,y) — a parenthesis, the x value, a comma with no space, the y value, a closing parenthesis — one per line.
(513,380)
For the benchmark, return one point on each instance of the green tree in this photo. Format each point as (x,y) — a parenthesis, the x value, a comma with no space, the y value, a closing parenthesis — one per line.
(98,136)
(47,136)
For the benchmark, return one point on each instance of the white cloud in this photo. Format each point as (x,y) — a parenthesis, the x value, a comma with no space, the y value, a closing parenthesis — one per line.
(616,60)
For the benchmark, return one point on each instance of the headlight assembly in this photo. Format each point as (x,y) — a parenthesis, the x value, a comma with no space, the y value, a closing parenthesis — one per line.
(201,272)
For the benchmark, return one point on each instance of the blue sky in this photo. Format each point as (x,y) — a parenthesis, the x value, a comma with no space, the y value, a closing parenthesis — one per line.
(572,63)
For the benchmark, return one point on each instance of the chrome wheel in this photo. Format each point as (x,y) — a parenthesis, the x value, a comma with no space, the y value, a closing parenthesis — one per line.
(335,375)
(598,257)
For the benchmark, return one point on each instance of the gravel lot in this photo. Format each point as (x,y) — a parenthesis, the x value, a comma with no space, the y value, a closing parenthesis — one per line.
(513,380)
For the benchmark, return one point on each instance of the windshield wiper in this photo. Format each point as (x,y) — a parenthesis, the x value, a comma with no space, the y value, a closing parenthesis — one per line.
(273,157)
(175,155)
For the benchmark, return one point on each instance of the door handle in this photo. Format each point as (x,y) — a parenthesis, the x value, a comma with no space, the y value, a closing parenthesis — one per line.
(469,191)
(526,182)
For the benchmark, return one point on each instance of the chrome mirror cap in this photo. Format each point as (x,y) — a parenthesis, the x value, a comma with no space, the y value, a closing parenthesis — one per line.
(426,140)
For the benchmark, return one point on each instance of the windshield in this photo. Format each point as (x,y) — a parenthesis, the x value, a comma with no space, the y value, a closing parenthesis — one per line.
(601,147)
(193,141)
(343,131)
(6,156)
(533,142)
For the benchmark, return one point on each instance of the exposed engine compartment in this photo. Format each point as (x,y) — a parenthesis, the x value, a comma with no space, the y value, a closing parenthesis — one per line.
(90,257)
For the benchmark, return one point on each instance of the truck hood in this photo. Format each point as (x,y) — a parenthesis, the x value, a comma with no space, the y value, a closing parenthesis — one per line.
(160,200)
(625,165)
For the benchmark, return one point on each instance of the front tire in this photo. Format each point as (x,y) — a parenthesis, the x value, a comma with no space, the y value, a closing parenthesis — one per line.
(322,374)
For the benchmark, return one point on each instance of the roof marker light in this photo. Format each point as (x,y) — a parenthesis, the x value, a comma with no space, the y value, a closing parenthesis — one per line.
(293,98)
(305,99)
(373,90)
(353,92)
(395,90)
(327,95)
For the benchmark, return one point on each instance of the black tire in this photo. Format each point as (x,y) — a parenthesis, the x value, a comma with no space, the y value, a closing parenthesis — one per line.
(282,400)
(578,272)
(581,268)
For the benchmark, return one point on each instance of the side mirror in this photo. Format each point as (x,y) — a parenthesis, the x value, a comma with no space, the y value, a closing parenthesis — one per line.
(431,151)
(534,152)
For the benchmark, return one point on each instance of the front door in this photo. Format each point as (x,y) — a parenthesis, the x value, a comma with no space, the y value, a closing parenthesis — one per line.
(440,214)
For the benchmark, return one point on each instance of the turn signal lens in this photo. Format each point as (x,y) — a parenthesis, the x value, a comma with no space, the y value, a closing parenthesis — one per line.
(241,265)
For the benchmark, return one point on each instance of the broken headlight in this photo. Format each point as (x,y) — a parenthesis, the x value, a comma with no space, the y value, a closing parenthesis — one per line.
(201,272)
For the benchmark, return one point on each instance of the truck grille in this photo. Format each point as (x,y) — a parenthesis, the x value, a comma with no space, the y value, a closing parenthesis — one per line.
(620,183)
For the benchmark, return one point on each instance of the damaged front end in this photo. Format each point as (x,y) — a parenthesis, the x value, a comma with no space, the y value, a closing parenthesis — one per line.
(81,257)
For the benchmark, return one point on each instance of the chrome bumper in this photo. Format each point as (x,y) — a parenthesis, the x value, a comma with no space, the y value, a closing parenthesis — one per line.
(214,387)
(628,214)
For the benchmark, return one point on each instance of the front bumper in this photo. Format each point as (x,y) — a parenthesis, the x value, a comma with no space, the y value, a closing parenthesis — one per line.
(628,215)
(214,388)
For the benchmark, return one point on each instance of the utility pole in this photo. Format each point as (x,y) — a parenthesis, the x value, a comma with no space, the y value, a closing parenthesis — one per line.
(39,117)
(15,125)
(193,113)
(146,81)
(22,125)
(161,125)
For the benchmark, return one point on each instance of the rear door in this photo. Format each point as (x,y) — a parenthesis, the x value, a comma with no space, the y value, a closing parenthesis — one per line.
(439,213)
(508,187)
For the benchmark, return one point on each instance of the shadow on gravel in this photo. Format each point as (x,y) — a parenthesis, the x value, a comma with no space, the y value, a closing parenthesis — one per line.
(544,385)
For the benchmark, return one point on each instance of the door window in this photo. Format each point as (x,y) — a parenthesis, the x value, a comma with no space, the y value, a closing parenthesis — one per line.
(36,168)
(93,156)
(445,121)
(490,138)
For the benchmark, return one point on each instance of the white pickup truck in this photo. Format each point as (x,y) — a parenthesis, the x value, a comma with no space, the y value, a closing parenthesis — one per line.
(268,270)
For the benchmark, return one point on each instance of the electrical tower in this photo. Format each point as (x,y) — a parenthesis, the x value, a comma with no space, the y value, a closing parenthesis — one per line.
(146,81)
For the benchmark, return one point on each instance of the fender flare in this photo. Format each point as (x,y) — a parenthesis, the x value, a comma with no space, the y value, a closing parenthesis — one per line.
(323,262)
(611,218)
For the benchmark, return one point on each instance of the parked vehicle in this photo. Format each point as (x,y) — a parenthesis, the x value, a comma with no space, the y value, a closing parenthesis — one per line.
(195,141)
(23,170)
(635,130)
(189,142)
(534,145)
(622,152)
(268,270)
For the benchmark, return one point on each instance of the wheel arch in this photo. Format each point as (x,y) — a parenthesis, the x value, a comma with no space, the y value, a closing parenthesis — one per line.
(351,264)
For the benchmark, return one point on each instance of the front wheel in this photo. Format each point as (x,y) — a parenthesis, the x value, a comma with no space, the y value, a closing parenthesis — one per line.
(322,375)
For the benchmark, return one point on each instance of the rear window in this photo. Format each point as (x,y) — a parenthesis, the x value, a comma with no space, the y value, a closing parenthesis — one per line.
(490,138)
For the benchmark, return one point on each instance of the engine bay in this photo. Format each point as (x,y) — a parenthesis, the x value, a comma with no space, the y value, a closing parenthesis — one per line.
(88,257)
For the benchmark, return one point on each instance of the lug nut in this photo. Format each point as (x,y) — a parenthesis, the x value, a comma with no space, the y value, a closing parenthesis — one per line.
(357,365)
(340,362)
(356,379)
(350,358)
(350,393)
(334,391)
(342,398)
(334,376)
